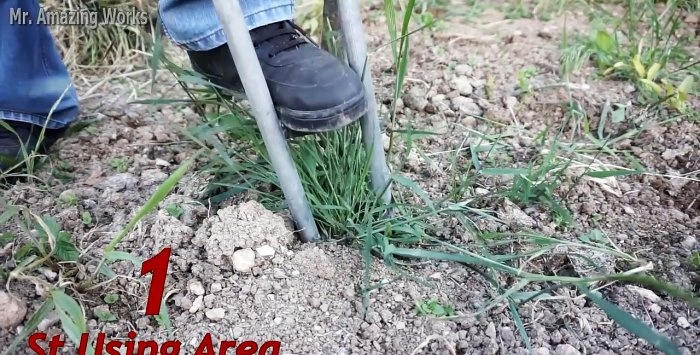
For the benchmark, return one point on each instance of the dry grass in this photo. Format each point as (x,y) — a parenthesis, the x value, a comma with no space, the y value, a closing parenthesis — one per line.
(85,48)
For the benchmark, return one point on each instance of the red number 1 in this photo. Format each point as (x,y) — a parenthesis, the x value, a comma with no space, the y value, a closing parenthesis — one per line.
(158,265)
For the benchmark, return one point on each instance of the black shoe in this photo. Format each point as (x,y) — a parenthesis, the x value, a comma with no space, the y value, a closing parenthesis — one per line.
(311,89)
(27,135)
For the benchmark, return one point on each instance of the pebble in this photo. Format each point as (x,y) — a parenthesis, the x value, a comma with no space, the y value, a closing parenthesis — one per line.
(511,102)
(689,242)
(161,162)
(655,308)
(51,319)
(400,325)
(466,106)
(265,251)
(464,69)
(119,182)
(324,307)
(243,260)
(196,287)
(279,274)
(416,99)
(566,349)
(462,85)
(197,304)
(12,310)
(542,351)
(507,335)
(386,315)
(683,323)
(490,331)
(185,303)
(315,302)
(215,314)
(216,287)
(237,332)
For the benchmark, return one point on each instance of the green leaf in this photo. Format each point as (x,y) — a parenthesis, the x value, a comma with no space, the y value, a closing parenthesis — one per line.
(10,211)
(120,255)
(71,316)
(603,41)
(632,324)
(618,115)
(104,315)
(111,298)
(65,250)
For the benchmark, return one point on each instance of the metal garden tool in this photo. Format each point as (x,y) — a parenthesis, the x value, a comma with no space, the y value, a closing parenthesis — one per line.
(345,14)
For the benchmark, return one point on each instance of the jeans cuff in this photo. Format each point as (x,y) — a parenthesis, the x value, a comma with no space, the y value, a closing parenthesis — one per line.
(34,119)
(255,20)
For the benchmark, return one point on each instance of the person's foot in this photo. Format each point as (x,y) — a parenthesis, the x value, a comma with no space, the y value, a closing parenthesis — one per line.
(311,89)
(25,135)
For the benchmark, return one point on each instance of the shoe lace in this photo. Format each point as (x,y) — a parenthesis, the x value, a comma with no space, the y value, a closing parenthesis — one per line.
(283,36)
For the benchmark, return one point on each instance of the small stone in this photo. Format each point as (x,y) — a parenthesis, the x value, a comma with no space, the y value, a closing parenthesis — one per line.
(265,251)
(243,260)
(490,331)
(51,319)
(49,274)
(462,85)
(648,294)
(689,242)
(464,69)
(185,303)
(683,323)
(279,274)
(216,287)
(386,315)
(197,304)
(12,311)
(161,162)
(466,106)
(566,349)
(119,182)
(511,102)
(400,325)
(296,273)
(507,335)
(373,317)
(315,302)
(685,351)
(416,99)
(196,287)
(237,332)
(655,308)
(215,314)
(324,307)
(209,300)
(481,191)
(542,351)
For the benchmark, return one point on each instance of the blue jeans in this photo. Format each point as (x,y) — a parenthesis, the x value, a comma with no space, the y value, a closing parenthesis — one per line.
(35,86)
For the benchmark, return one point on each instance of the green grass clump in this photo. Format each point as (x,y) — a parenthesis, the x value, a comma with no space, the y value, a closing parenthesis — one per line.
(645,46)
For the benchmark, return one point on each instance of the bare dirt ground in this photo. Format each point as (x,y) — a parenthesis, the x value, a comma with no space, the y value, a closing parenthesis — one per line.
(308,296)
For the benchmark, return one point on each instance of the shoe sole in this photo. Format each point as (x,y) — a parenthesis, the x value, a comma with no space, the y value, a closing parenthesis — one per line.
(325,120)
(309,122)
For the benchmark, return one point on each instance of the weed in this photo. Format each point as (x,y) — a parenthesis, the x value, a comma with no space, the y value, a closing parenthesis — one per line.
(121,165)
(174,210)
(643,46)
(435,308)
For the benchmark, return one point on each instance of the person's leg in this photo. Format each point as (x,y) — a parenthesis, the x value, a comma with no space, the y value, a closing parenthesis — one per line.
(312,90)
(35,87)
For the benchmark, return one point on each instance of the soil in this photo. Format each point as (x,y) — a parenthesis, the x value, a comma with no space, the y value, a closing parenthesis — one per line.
(238,273)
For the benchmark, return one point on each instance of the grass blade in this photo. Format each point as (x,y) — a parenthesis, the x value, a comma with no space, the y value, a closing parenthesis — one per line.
(635,326)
